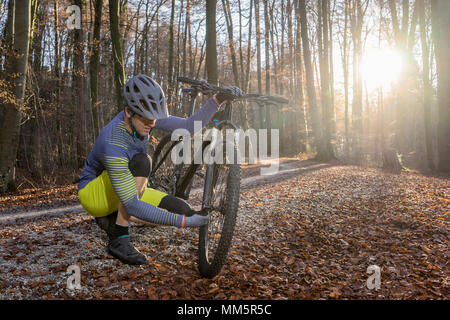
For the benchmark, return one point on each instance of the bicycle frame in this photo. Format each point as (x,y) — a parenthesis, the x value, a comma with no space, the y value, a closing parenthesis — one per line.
(184,187)
(185,180)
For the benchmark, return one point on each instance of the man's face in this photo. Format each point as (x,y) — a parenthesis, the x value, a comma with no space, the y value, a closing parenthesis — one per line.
(141,124)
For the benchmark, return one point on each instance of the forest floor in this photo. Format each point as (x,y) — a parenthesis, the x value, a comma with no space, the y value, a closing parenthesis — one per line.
(309,233)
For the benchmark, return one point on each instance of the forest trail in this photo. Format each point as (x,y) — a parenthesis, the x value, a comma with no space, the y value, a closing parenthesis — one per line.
(309,232)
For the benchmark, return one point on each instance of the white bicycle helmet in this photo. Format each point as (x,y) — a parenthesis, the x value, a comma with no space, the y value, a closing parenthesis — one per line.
(145,97)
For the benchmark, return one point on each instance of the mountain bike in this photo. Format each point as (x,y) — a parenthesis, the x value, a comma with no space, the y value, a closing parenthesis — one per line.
(219,180)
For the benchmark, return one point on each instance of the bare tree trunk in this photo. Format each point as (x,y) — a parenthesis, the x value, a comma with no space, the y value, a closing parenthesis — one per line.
(229,23)
(58,85)
(241,53)
(302,122)
(401,89)
(427,89)
(258,59)
(278,117)
(158,66)
(211,49)
(171,58)
(267,46)
(357,22)
(346,82)
(249,46)
(325,76)
(78,107)
(275,60)
(330,29)
(440,11)
(10,130)
(36,35)
(187,24)
(95,57)
(312,99)
(119,70)
(267,69)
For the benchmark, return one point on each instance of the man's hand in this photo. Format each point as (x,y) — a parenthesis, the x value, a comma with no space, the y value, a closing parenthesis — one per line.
(196,220)
(233,93)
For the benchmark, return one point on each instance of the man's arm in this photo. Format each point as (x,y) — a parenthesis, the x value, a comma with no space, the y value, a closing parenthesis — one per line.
(204,114)
(116,164)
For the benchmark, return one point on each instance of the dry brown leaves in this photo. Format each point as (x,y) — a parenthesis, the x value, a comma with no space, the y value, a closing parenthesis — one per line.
(311,236)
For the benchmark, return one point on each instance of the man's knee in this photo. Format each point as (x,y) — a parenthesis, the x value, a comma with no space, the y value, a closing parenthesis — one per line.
(140,165)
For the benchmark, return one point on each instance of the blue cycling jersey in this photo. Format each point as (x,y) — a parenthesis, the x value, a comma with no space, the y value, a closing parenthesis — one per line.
(115,147)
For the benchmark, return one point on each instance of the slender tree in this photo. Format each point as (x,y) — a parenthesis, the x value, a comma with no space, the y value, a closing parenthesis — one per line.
(427,89)
(327,108)
(171,57)
(211,49)
(258,58)
(117,53)
(357,125)
(440,11)
(345,67)
(78,106)
(267,108)
(94,61)
(320,144)
(301,120)
(229,23)
(57,67)
(10,130)
(249,47)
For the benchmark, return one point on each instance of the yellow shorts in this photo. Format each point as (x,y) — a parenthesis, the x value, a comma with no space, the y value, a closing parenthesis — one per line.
(99,199)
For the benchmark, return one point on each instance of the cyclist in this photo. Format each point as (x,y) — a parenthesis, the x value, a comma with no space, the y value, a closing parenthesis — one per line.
(113,184)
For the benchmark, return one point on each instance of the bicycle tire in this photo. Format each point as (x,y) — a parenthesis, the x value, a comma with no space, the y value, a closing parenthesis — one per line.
(211,260)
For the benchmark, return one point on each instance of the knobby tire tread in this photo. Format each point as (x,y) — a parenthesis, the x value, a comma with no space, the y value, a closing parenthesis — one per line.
(209,270)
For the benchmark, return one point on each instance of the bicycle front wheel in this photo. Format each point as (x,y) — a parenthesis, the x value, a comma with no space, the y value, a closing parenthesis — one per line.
(221,198)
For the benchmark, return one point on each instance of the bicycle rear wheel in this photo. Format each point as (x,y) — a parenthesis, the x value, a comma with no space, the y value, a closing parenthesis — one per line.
(221,197)
(165,175)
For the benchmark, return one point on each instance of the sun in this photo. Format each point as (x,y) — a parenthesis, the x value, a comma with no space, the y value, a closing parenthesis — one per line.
(380,68)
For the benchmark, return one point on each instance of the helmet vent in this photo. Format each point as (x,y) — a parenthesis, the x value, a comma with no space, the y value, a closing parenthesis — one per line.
(154,106)
(136,89)
(144,103)
(144,80)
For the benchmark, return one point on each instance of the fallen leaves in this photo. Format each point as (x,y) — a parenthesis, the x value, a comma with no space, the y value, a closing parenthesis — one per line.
(38,198)
(311,236)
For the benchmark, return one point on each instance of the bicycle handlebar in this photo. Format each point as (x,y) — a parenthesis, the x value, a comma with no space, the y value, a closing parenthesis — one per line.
(207,88)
